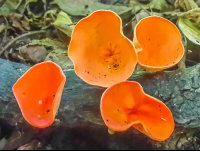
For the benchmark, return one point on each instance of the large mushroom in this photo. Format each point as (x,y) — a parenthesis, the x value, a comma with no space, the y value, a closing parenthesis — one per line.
(101,54)
(38,93)
(125,105)
(158,42)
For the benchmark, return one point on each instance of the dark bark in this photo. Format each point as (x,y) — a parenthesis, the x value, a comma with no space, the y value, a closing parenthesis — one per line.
(79,112)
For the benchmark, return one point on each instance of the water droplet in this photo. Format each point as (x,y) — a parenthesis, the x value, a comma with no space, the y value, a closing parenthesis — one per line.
(40,102)
(163,119)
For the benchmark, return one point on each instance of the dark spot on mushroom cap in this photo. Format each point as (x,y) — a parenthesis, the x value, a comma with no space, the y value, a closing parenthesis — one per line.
(53,95)
(116,65)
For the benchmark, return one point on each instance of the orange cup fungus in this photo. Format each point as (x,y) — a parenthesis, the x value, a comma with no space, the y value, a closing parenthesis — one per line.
(125,105)
(38,93)
(101,54)
(158,42)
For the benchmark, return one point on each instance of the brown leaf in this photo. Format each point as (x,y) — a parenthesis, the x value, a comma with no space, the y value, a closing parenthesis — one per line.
(20,22)
(33,54)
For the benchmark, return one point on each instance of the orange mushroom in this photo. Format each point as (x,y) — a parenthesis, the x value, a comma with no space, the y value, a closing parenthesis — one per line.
(101,54)
(125,105)
(158,42)
(38,93)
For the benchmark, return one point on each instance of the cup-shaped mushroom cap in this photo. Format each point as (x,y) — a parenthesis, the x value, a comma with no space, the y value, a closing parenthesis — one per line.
(125,105)
(101,54)
(158,42)
(38,93)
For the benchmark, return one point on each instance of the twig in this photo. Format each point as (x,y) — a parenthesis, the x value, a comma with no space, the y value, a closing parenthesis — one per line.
(19,37)
(129,22)
(145,10)
(134,18)
(191,61)
(151,10)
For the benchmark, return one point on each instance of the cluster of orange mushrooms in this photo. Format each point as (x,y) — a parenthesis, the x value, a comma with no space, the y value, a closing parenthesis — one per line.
(103,56)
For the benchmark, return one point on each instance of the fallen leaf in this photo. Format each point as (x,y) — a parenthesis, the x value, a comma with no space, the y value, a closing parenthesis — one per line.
(160,5)
(33,54)
(171,2)
(19,21)
(190,30)
(48,43)
(63,37)
(86,7)
(75,7)
(193,15)
(185,5)
(10,6)
(30,1)
(64,23)
(112,2)
(49,18)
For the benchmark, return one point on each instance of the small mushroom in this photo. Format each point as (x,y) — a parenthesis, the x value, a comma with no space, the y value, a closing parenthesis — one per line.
(125,105)
(158,43)
(38,93)
(101,54)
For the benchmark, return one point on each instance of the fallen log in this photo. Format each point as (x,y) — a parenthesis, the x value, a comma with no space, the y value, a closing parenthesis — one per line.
(79,112)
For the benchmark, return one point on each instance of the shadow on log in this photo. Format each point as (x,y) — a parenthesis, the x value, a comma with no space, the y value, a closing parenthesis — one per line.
(79,124)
